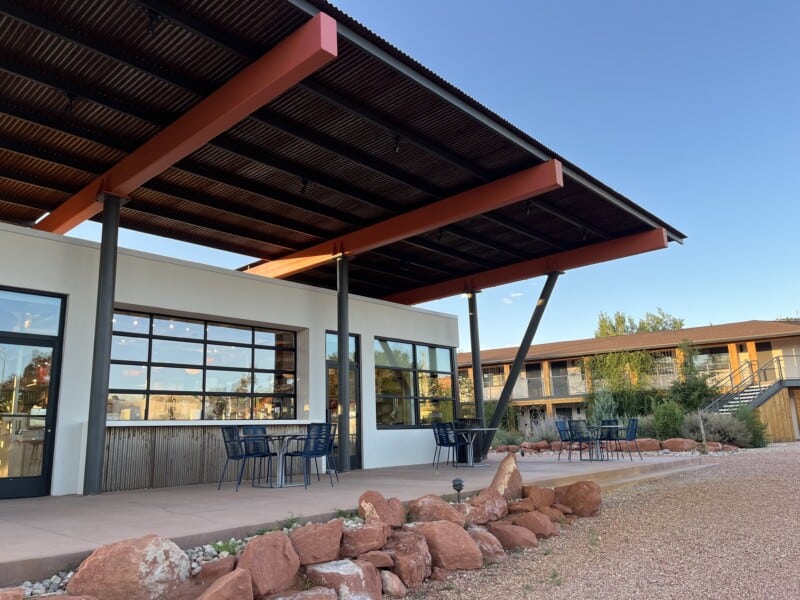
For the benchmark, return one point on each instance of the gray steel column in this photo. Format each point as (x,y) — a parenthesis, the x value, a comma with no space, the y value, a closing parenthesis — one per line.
(343,327)
(475,351)
(522,352)
(98,392)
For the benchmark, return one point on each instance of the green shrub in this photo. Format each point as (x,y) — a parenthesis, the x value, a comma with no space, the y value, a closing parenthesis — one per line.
(719,427)
(758,430)
(647,427)
(633,402)
(544,430)
(503,437)
(601,406)
(668,418)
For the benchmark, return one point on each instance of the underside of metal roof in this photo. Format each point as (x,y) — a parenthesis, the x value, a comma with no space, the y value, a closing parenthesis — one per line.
(368,137)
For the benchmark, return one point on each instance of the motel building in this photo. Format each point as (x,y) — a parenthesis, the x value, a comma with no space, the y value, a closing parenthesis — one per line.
(283,130)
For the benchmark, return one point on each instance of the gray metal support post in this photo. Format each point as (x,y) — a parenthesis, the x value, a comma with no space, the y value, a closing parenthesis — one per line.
(342,308)
(522,352)
(475,351)
(98,392)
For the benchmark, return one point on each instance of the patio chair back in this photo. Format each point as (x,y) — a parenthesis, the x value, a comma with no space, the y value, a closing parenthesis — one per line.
(631,434)
(445,435)
(563,434)
(579,431)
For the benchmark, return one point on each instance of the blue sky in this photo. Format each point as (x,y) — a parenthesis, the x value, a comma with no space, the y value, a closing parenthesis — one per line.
(690,109)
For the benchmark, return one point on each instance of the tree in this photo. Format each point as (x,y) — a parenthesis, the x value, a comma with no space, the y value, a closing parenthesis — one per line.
(622,324)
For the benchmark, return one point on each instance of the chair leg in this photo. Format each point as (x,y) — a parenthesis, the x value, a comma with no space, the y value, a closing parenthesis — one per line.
(241,472)
(221,477)
(638,450)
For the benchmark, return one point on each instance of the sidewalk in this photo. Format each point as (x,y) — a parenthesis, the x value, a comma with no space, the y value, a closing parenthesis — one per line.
(45,535)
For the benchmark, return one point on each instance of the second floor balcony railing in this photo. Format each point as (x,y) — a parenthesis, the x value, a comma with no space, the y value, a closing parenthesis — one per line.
(533,388)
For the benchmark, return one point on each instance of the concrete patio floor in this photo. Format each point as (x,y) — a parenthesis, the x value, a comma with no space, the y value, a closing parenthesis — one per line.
(44,535)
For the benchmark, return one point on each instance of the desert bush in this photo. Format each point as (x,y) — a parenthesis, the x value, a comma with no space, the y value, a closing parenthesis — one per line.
(757,429)
(720,427)
(503,437)
(668,420)
(647,427)
(544,430)
(633,402)
(601,405)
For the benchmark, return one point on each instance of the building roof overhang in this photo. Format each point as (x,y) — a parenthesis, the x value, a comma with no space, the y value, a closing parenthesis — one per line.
(355,150)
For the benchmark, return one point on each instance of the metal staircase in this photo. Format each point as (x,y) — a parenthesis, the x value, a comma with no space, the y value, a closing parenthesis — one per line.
(748,387)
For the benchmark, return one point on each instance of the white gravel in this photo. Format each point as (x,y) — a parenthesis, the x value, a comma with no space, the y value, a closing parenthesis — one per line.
(731,531)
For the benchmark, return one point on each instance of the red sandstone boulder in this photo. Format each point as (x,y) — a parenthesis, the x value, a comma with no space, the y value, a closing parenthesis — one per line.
(379,558)
(501,448)
(451,547)
(392,585)
(144,568)
(439,574)
(351,579)
(541,445)
(434,508)
(583,497)
(538,523)
(315,593)
(713,446)
(411,557)
(358,540)
(272,562)
(521,506)
(512,448)
(234,586)
(540,496)
(490,547)
(372,506)
(507,481)
(211,571)
(644,444)
(679,445)
(527,446)
(512,537)
(487,506)
(317,542)
(551,512)
(12,594)
(558,446)
(563,508)
(729,448)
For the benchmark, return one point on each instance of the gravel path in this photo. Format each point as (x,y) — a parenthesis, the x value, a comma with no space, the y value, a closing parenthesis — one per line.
(731,530)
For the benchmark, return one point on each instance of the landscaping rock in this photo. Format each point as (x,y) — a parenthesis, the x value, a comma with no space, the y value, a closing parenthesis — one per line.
(372,507)
(315,593)
(317,542)
(379,558)
(358,540)
(146,568)
(645,445)
(583,497)
(392,585)
(211,571)
(563,508)
(551,512)
(272,562)
(507,480)
(538,495)
(512,537)
(521,506)
(450,546)
(236,585)
(489,545)
(411,557)
(434,508)
(713,447)
(349,578)
(439,574)
(541,445)
(679,445)
(538,523)
(487,506)
(12,594)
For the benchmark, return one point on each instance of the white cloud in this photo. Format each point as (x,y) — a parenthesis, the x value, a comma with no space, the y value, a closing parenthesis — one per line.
(506,300)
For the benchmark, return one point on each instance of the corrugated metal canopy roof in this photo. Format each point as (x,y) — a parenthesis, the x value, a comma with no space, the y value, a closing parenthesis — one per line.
(369,136)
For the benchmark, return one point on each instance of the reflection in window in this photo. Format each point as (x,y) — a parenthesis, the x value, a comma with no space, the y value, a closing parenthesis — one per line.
(413,383)
(29,313)
(180,369)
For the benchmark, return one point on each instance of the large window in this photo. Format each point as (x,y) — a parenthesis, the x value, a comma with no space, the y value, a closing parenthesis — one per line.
(164,368)
(413,383)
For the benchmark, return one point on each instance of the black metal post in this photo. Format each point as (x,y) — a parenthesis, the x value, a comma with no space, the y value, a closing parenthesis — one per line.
(522,352)
(475,351)
(98,392)
(343,350)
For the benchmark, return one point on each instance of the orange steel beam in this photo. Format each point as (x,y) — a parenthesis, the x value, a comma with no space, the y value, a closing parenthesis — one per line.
(489,196)
(293,59)
(655,239)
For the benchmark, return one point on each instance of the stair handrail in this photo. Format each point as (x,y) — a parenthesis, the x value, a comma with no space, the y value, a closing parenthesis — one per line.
(744,371)
(744,382)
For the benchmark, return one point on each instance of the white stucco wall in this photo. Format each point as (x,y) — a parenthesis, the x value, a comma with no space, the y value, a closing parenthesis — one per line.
(67,266)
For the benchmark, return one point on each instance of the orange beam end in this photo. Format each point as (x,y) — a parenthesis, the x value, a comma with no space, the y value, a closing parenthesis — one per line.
(292,60)
(484,198)
(638,243)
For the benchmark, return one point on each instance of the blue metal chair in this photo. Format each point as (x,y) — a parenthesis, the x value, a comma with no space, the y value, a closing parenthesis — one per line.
(234,451)
(330,459)
(579,433)
(256,446)
(315,445)
(446,437)
(631,433)
(609,433)
(563,434)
